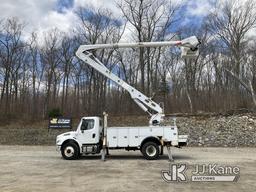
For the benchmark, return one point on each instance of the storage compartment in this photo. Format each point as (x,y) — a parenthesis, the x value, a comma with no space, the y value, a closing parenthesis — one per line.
(112,137)
(134,139)
(122,137)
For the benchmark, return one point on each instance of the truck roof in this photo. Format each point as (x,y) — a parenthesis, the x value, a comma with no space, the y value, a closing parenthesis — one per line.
(91,117)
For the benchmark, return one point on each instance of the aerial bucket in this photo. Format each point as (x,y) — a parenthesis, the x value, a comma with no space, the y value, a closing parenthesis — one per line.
(188,53)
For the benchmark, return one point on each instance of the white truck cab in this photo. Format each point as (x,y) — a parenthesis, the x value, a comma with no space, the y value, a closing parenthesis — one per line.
(89,138)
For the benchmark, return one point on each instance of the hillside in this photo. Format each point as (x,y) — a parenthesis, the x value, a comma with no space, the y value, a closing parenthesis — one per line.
(203,130)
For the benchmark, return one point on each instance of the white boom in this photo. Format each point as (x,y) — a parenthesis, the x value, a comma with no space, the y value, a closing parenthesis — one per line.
(189,48)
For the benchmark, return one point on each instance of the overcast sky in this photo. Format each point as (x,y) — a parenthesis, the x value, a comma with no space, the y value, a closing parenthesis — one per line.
(42,15)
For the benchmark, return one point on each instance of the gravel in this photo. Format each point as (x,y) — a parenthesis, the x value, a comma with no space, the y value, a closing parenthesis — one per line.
(230,131)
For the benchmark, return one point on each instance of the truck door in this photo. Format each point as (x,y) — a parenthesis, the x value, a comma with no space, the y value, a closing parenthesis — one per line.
(88,133)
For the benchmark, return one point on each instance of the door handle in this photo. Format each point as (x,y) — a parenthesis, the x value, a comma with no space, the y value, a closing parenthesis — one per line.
(93,135)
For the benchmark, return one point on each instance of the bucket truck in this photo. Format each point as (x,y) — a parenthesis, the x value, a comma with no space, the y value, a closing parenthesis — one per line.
(93,136)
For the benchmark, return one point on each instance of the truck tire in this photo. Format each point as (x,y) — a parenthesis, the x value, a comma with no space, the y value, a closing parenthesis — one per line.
(70,151)
(150,150)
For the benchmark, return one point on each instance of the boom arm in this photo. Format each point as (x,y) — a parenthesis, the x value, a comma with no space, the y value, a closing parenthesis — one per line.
(144,102)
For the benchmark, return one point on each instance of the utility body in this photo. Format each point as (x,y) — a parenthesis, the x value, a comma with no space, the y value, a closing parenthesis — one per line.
(93,136)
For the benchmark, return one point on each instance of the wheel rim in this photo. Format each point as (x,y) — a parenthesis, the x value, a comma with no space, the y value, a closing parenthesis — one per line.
(151,150)
(69,151)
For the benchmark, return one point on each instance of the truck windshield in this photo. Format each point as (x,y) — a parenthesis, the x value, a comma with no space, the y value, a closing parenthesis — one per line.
(87,124)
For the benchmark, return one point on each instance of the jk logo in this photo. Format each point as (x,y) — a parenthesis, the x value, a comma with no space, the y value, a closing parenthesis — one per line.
(176,173)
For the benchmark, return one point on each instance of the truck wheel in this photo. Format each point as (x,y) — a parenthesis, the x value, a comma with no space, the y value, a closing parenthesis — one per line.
(70,151)
(150,151)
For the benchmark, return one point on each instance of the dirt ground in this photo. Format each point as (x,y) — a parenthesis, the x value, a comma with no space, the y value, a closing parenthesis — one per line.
(41,168)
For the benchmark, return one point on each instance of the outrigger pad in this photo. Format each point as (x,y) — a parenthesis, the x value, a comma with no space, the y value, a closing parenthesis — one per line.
(169,153)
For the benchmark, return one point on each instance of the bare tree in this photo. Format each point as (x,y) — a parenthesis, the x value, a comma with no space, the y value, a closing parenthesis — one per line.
(231,23)
(98,26)
(10,54)
(151,21)
(50,58)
